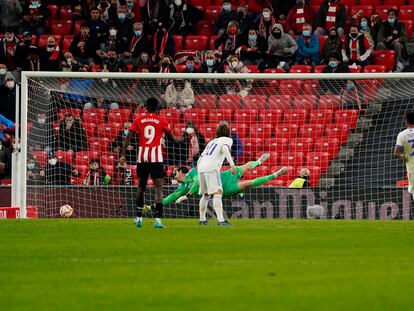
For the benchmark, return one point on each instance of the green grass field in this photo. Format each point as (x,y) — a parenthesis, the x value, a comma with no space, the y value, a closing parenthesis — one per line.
(255,265)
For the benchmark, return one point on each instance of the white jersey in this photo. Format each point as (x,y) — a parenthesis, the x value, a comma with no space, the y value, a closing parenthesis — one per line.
(405,139)
(212,157)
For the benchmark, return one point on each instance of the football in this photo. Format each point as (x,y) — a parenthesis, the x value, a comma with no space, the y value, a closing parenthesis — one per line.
(315,211)
(66,211)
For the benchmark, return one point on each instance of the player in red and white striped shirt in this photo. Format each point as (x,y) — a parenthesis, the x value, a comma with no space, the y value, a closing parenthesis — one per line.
(150,129)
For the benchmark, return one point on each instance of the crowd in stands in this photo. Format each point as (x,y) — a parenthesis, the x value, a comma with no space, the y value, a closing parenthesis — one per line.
(208,36)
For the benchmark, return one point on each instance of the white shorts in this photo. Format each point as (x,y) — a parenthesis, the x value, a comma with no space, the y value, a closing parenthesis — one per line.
(210,182)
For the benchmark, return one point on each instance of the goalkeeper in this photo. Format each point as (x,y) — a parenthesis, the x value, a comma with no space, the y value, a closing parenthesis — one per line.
(231,183)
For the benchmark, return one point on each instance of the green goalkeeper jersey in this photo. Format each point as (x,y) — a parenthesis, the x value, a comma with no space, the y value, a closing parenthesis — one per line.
(190,183)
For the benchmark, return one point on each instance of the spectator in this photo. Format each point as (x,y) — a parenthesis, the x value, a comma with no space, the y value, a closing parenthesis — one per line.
(33,171)
(240,87)
(138,44)
(244,20)
(5,124)
(71,134)
(253,48)
(281,9)
(3,70)
(122,175)
(98,28)
(96,175)
(132,149)
(41,136)
(392,35)
(357,48)
(183,17)
(237,147)
(103,8)
(101,103)
(114,41)
(335,66)
(10,15)
(194,144)
(302,13)
(365,28)
(57,173)
(281,47)
(8,98)
(166,64)
(331,13)
(84,46)
(22,53)
(179,94)
(68,63)
(5,160)
(265,23)
(163,43)
(153,13)
(351,97)
(226,15)
(123,23)
(302,181)
(230,40)
(34,17)
(190,65)
(50,55)
(113,63)
(143,61)
(210,65)
(332,45)
(308,47)
(33,60)
(133,11)
(8,56)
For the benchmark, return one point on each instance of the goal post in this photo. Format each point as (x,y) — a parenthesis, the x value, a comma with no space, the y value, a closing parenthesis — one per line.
(302,120)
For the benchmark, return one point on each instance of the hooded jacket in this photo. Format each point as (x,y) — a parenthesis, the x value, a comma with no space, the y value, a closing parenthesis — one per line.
(231,85)
(276,46)
(184,98)
(8,98)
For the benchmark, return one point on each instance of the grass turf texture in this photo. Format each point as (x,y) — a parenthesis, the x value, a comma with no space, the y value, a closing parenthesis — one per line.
(256,265)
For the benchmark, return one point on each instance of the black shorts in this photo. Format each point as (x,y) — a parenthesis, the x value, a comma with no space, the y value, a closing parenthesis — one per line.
(146,169)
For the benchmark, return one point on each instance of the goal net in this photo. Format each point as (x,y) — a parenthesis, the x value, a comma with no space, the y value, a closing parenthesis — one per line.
(340,128)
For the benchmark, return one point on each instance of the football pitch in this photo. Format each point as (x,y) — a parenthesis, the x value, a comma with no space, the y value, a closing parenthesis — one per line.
(71,264)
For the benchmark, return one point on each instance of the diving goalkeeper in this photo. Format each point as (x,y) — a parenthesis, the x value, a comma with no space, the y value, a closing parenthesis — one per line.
(231,183)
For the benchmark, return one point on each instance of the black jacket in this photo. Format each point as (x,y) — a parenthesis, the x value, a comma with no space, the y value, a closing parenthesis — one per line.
(90,49)
(58,174)
(182,19)
(74,138)
(223,19)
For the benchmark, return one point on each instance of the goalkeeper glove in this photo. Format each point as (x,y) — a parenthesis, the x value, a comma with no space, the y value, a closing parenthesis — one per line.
(146,209)
(181,199)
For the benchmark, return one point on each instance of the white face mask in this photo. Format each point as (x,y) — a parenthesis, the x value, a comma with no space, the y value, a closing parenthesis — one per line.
(30,166)
(266,15)
(105,80)
(189,130)
(113,32)
(126,132)
(178,2)
(41,121)
(234,64)
(52,161)
(10,84)
(3,71)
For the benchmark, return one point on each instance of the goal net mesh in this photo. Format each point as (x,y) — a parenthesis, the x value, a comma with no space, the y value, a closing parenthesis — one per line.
(342,131)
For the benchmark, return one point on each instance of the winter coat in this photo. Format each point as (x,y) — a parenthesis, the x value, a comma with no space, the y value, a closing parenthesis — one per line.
(189,16)
(276,46)
(184,99)
(74,138)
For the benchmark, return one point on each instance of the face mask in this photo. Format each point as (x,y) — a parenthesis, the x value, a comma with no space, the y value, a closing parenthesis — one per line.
(266,15)
(354,35)
(333,37)
(113,32)
(52,45)
(190,67)
(112,59)
(69,61)
(210,62)
(165,64)
(227,7)
(2,71)
(10,84)
(41,121)
(121,16)
(364,24)
(126,132)
(306,33)
(232,31)
(333,64)
(178,2)
(9,39)
(391,21)
(144,59)
(349,86)
(234,64)
(189,130)
(300,3)
(131,4)
(30,166)
(277,35)
(35,4)
(252,37)
(137,32)
(52,161)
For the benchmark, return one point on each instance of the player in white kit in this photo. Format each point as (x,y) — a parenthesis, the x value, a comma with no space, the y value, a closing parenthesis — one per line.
(404,149)
(209,166)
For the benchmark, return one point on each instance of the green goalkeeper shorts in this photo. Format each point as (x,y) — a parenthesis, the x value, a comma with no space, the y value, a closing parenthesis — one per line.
(230,182)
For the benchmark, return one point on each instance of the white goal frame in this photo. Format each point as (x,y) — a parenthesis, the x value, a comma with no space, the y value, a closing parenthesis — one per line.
(19,157)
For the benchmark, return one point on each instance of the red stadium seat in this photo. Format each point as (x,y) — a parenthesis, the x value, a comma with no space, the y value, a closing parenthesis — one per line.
(61,27)
(347,116)
(178,42)
(305,102)
(382,10)
(65,13)
(178,128)
(252,69)
(258,171)
(320,159)
(99,144)
(300,69)
(43,39)
(294,159)
(196,115)
(201,2)
(408,27)
(240,129)
(83,171)
(208,130)
(54,10)
(311,130)
(67,40)
(247,116)
(287,177)
(229,101)
(206,101)
(286,131)
(196,43)
(340,131)
(273,116)
(291,87)
(319,68)
(109,170)
(262,131)
(109,158)
(321,116)
(311,87)
(356,69)
(217,115)
(296,116)
(330,145)
(301,144)
(349,3)
(384,57)
(394,2)
(172,115)
(373,3)
(73,111)
(40,157)
(109,130)
(330,102)
(279,102)
(83,157)
(276,145)
(95,115)
(65,156)
(252,145)
(367,10)
(205,28)
(375,68)
(406,12)
(90,129)
(254,102)
(314,176)
(317,2)
(77,26)
(278,183)
(212,12)
(119,115)
(211,42)
(273,158)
